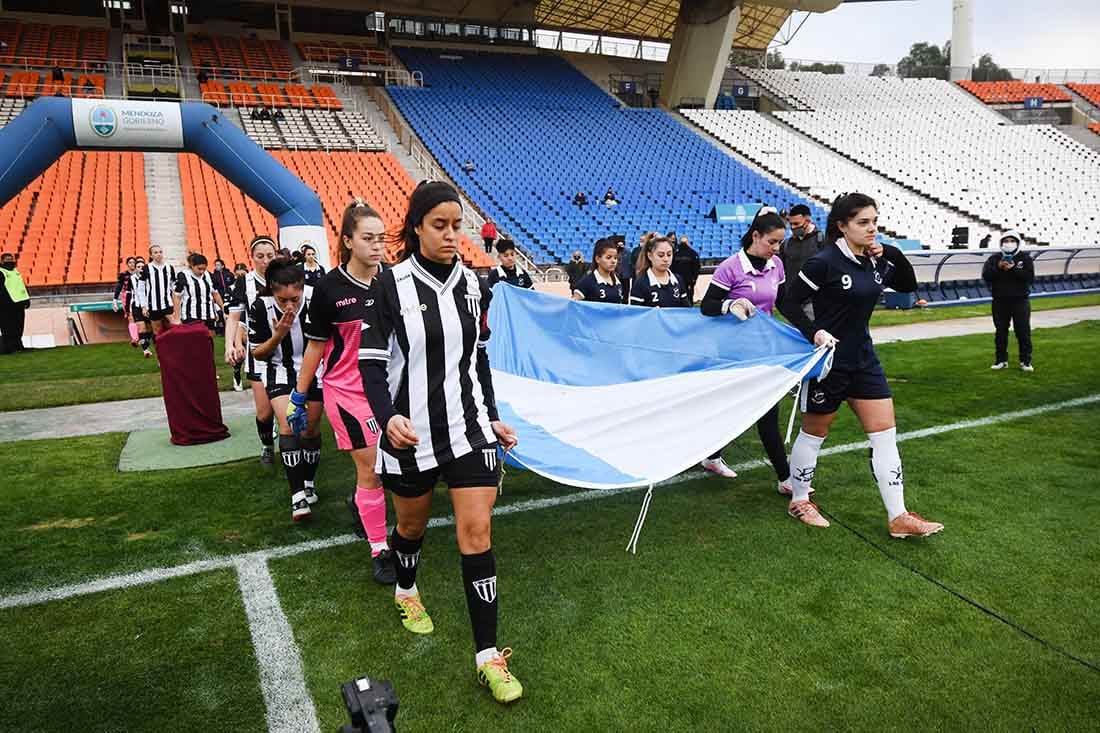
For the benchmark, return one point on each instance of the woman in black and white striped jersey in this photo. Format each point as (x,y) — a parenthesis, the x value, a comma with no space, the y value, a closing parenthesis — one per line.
(139,304)
(161,278)
(426,375)
(246,291)
(277,342)
(195,297)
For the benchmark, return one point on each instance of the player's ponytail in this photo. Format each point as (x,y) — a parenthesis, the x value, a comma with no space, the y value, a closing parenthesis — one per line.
(356,210)
(766,220)
(844,208)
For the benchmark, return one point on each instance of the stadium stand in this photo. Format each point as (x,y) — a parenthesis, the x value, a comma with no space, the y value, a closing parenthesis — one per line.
(1091,92)
(538,132)
(220,220)
(79,220)
(42,44)
(241,57)
(1094,127)
(1013,92)
(266,94)
(809,167)
(1031,178)
(334,51)
(933,137)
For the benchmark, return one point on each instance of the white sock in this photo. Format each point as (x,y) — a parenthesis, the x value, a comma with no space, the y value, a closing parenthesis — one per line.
(485,655)
(886,465)
(803,464)
(399,591)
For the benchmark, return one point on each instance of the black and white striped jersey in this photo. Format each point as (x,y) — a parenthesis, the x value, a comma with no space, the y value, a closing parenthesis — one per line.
(422,355)
(139,291)
(282,366)
(246,291)
(161,280)
(196,296)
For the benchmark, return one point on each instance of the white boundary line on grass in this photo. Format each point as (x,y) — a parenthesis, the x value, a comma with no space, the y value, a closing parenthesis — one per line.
(289,706)
(156,575)
(286,697)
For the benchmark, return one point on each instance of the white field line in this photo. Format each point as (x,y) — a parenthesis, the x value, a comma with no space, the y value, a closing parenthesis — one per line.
(156,575)
(286,697)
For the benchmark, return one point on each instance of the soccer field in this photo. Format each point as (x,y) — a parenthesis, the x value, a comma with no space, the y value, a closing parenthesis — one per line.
(731,616)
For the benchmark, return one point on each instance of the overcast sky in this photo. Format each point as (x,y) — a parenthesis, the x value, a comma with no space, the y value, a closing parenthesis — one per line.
(1037,33)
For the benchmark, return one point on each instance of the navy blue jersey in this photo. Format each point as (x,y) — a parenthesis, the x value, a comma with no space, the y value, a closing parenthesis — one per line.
(649,292)
(844,290)
(516,276)
(596,289)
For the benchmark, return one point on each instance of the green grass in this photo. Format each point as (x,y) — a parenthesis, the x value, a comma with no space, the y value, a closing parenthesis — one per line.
(107,372)
(883,317)
(176,656)
(732,616)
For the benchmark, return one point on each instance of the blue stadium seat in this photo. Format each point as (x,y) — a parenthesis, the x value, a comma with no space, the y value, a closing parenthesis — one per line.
(539,132)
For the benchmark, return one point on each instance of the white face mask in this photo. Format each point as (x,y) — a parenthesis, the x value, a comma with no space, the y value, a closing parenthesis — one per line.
(1009,249)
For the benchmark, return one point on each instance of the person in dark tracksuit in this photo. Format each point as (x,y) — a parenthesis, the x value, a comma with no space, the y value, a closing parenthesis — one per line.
(806,240)
(1009,275)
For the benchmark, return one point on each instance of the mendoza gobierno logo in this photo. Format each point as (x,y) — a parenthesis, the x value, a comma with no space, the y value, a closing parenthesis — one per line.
(103,121)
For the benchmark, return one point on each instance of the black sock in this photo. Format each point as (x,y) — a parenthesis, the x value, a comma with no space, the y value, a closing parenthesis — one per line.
(407,554)
(237,373)
(311,456)
(146,339)
(264,429)
(290,449)
(479,576)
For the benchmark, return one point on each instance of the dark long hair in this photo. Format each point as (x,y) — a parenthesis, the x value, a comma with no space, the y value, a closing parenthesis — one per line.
(283,272)
(844,208)
(356,210)
(766,220)
(425,197)
(647,249)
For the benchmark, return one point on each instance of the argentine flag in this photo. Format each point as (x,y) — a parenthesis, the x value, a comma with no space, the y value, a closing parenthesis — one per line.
(608,396)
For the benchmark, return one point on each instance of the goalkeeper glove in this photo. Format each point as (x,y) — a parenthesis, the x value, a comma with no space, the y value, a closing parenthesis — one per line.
(296,412)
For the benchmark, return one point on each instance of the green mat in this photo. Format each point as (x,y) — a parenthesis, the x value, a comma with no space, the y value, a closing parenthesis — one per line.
(151,450)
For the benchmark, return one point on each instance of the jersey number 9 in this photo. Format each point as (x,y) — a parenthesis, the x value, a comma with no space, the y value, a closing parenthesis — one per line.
(846,282)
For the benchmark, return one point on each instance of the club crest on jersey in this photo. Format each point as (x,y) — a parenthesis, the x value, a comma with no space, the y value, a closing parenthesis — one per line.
(878,277)
(818,397)
(473,304)
(486,589)
(489,455)
(372,425)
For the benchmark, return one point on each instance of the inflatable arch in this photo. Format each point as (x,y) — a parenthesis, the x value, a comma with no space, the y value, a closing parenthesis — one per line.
(50,126)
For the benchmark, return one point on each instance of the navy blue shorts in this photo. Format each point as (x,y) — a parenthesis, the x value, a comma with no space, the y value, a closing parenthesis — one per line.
(824,397)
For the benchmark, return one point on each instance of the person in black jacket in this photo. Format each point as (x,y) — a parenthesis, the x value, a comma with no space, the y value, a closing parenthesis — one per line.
(845,281)
(1010,274)
(685,263)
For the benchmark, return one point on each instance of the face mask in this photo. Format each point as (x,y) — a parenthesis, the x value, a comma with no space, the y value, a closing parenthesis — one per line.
(1009,249)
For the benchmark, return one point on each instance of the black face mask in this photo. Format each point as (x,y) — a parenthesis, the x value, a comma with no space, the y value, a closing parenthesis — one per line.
(7,265)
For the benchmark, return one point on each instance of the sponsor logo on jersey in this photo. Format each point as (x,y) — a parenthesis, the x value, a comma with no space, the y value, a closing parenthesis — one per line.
(486,589)
(346,301)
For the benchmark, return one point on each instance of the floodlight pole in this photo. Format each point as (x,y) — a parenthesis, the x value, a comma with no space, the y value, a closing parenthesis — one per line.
(962,39)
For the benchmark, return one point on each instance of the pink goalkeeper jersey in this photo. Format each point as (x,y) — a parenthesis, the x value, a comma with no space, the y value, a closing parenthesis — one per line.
(338,315)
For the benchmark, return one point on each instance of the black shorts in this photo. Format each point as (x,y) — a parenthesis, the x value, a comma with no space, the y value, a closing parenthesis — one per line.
(137,315)
(283,390)
(480,467)
(160,315)
(824,397)
(208,322)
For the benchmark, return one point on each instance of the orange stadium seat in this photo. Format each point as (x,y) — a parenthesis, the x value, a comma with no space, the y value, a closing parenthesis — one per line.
(300,97)
(10,34)
(22,84)
(77,222)
(220,220)
(271,95)
(1091,92)
(213,92)
(242,94)
(1013,92)
(326,98)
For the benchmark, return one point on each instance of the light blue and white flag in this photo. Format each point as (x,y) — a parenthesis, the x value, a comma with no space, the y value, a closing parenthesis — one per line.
(606,396)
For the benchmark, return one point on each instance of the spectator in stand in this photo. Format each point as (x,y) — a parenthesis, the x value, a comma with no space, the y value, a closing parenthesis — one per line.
(575,269)
(508,271)
(14,302)
(57,74)
(201,76)
(686,264)
(489,234)
(581,199)
(609,198)
(469,166)
(278,116)
(1010,274)
(602,285)
(655,285)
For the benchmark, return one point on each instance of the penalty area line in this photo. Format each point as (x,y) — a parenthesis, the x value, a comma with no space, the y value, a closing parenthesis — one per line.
(156,575)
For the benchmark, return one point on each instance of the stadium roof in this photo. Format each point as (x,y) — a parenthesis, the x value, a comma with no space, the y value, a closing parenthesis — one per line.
(655,20)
